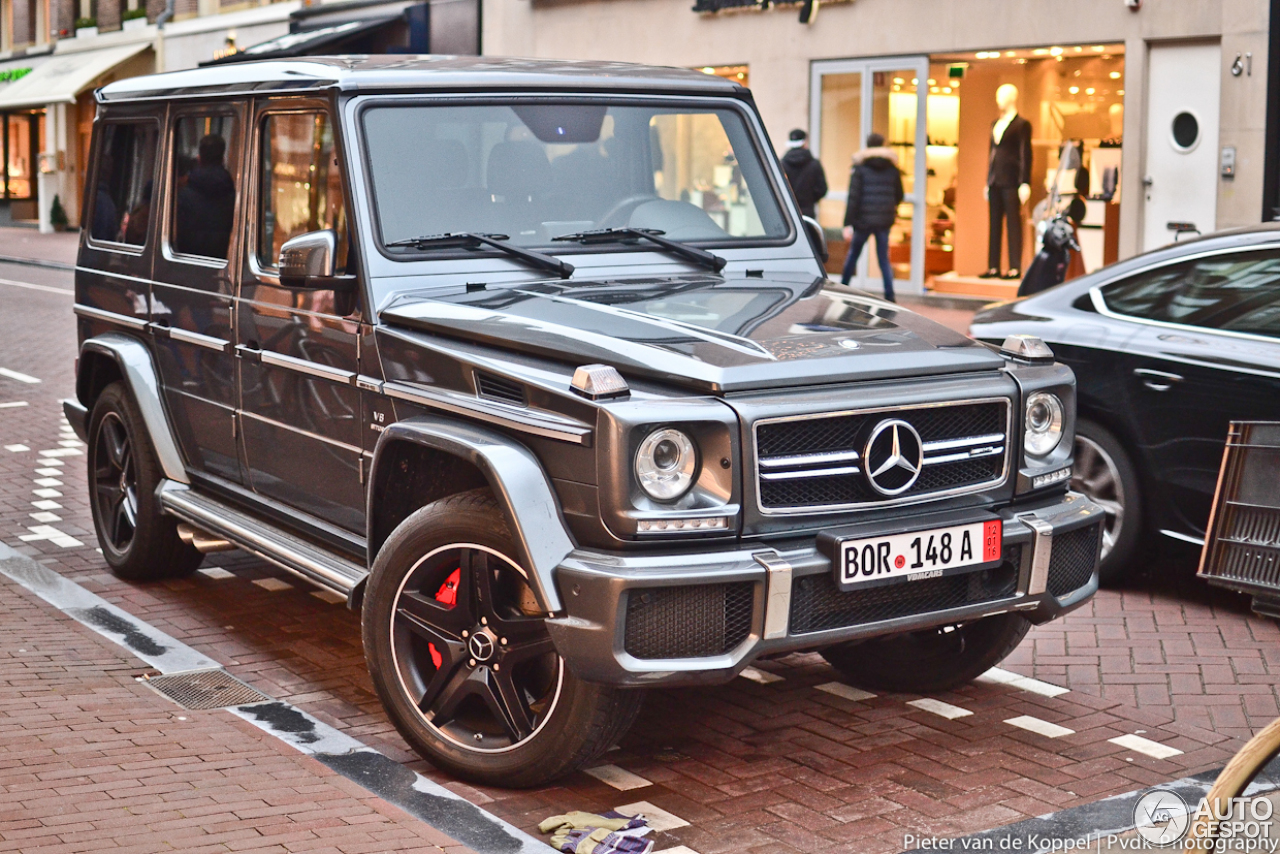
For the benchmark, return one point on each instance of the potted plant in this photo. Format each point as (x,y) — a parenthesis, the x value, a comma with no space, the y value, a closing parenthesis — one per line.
(86,27)
(134,19)
(58,215)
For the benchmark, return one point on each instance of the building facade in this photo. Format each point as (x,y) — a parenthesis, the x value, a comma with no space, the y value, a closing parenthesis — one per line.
(1164,104)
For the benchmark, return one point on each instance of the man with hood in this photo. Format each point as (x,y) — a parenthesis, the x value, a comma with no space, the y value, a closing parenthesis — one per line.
(206,203)
(804,173)
(875,191)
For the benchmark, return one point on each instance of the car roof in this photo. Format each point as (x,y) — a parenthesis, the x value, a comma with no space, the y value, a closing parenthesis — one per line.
(408,73)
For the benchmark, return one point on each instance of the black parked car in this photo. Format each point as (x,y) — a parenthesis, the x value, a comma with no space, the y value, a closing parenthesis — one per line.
(536,364)
(1167,348)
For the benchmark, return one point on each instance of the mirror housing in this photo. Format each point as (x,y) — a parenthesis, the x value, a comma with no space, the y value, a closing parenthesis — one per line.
(817,238)
(309,262)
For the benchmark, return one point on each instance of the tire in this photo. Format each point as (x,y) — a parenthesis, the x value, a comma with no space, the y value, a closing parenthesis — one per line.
(1105,474)
(139,542)
(462,660)
(930,660)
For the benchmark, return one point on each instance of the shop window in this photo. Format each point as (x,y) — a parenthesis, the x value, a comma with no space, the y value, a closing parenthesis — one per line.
(20,154)
(120,209)
(204,200)
(1239,292)
(301,183)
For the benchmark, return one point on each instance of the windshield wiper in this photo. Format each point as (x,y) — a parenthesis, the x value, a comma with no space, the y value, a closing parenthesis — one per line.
(629,235)
(474,240)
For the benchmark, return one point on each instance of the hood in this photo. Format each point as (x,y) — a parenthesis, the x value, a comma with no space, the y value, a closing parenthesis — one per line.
(211,181)
(797,157)
(703,333)
(880,157)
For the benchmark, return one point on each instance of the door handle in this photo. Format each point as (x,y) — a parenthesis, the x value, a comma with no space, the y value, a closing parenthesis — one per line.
(1157,380)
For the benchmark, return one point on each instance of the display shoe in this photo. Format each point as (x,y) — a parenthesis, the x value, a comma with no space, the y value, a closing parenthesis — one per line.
(993,273)
(1015,273)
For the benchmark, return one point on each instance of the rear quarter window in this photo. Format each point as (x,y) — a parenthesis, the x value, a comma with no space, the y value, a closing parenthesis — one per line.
(120,203)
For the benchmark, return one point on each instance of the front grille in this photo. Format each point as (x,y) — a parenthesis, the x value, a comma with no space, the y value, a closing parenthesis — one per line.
(810,463)
(817,604)
(1074,556)
(693,621)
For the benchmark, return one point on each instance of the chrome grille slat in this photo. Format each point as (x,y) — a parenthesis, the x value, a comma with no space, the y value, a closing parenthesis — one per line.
(965,448)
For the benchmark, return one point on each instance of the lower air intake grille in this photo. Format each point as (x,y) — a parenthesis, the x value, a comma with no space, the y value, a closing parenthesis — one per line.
(1072,560)
(693,621)
(206,689)
(817,604)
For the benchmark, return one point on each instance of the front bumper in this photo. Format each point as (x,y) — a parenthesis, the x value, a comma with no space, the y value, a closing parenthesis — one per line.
(702,617)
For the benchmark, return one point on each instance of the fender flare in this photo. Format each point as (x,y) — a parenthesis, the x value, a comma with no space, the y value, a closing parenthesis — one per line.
(139,371)
(518,481)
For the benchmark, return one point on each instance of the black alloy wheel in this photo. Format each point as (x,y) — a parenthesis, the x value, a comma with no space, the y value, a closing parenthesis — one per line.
(1104,474)
(482,674)
(115,483)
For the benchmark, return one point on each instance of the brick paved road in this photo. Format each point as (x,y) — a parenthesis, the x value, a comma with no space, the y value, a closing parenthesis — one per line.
(771,765)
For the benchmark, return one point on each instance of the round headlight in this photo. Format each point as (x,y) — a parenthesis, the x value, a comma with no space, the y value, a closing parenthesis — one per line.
(1044,423)
(665,463)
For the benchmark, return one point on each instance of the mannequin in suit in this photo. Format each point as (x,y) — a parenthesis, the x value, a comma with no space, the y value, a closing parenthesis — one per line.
(1008,181)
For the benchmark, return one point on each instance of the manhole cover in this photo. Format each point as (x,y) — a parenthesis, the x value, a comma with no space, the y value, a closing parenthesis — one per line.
(206,689)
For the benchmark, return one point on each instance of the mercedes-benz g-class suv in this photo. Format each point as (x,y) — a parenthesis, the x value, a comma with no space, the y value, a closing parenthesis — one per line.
(536,363)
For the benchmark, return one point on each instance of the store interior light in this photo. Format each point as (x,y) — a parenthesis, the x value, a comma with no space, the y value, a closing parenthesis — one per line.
(1120,92)
(1115,75)
(1089,91)
(708,70)
(933,82)
(915,81)
(897,88)
(1097,48)
(1010,53)
(1074,90)
(1055,51)
(899,81)
(946,90)
(1079,49)
(1040,51)
(934,89)
(1022,60)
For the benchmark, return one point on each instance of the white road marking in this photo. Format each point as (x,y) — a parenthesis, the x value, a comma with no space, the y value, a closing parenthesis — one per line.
(16,449)
(61,452)
(46,505)
(53,535)
(619,778)
(940,708)
(216,572)
(29,286)
(272,584)
(20,377)
(329,596)
(47,481)
(46,493)
(764,677)
(49,472)
(1039,727)
(50,462)
(1023,683)
(658,818)
(13,404)
(71,443)
(45,516)
(1145,746)
(848,692)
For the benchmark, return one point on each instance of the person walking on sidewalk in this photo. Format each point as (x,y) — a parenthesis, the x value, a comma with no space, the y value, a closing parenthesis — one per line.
(804,173)
(875,191)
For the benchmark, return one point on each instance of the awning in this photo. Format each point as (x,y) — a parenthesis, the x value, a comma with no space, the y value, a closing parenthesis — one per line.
(306,42)
(62,77)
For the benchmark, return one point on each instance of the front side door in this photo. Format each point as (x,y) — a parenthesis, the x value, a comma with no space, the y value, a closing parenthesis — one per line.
(1211,356)
(849,100)
(1182,141)
(298,349)
(194,282)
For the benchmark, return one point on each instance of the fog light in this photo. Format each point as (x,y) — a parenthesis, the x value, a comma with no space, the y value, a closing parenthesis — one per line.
(1043,480)
(706,523)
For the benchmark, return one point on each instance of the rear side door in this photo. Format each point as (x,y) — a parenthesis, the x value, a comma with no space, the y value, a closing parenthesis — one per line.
(1207,354)
(195,281)
(299,349)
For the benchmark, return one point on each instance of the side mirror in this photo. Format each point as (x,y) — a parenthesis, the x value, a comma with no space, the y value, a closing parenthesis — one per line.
(309,262)
(817,238)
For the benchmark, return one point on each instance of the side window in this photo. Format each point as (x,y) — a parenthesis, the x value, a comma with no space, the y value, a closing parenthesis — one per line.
(125,175)
(1235,291)
(204,184)
(300,184)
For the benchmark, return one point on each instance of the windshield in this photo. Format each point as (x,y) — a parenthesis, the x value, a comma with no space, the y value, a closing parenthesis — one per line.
(537,171)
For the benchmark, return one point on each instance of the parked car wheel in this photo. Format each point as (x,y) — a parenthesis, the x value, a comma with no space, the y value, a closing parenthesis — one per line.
(461,657)
(930,660)
(139,542)
(1106,476)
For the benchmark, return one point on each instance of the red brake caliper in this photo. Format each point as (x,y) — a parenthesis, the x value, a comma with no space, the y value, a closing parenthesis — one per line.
(446,595)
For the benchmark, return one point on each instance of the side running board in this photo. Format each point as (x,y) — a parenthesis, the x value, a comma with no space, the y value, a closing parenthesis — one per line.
(286,550)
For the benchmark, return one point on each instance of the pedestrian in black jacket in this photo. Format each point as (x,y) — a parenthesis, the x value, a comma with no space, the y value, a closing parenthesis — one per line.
(875,190)
(804,173)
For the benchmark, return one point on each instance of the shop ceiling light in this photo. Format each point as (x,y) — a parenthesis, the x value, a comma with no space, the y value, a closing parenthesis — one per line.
(1115,75)
(1040,51)
(1010,53)
(1074,90)
(1089,91)
(1055,51)
(1097,48)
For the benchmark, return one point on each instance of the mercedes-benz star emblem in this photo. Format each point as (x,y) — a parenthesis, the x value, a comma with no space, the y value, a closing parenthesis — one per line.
(480,645)
(894,456)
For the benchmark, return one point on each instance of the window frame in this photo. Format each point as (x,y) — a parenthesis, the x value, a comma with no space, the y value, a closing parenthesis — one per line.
(99,137)
(1098,298)
(236,168)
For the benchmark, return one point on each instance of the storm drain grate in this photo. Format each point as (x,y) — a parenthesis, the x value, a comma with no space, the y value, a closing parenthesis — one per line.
(206,689)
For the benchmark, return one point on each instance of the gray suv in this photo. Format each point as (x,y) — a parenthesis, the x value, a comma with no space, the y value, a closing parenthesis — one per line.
(537,365)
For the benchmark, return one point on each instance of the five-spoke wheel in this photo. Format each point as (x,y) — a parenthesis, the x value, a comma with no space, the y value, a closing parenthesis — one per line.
(115,483)
(1104,475)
